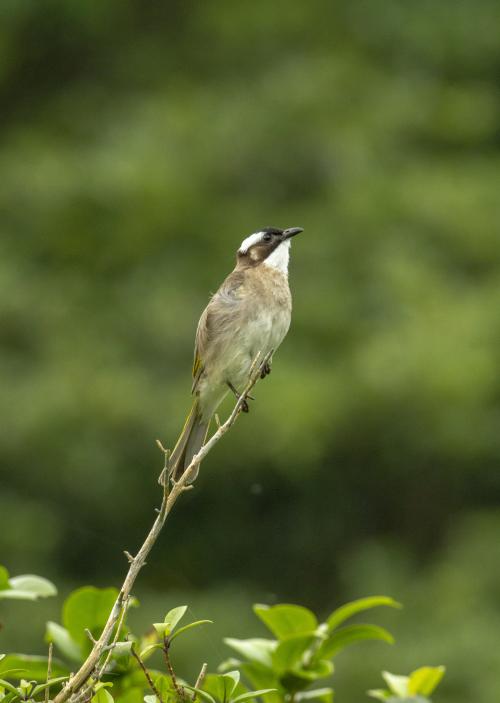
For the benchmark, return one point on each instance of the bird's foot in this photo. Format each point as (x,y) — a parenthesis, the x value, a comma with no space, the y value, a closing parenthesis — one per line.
(244,404)
(265,370)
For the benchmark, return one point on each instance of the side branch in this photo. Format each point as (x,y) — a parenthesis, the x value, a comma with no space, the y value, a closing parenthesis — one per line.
(170,494)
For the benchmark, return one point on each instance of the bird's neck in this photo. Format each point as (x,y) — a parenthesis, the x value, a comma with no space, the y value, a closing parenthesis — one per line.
(279,258)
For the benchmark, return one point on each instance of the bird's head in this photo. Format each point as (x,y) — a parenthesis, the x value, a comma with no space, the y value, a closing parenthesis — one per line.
(269,246)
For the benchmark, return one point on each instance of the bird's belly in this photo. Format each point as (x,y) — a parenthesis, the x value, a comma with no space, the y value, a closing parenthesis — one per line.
(232,360)
(262,334)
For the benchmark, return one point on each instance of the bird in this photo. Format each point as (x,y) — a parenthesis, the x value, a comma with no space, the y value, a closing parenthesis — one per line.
(249,314)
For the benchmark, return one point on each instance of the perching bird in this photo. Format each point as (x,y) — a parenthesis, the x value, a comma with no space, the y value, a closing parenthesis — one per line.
(250,313)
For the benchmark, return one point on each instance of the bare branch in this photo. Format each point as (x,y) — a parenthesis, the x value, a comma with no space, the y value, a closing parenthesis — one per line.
(166,652)
(200,679)
(146,674)
(102,668)
(49,670)
(170,495)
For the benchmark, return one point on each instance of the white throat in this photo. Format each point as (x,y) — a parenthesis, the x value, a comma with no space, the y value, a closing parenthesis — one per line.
(280,257)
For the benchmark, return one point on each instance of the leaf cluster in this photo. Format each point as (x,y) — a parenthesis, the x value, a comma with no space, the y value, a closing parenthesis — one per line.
(282,668)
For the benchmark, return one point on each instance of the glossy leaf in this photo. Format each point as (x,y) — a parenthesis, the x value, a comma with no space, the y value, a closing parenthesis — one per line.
(285,620)
(358,606)
(349,635)
(322,695)
(173,617)
(4,578)
(252,694)
(102,696)
(256,649)
(201,693)
(64,642)
(290,651)
(318,670)
(260,677)
(197,623)
(381,694)
(425,680)
(42,686)
(397,684)
(149,649)
(8,686)
(87,607)
(33,666)
(38,586)
(161,628)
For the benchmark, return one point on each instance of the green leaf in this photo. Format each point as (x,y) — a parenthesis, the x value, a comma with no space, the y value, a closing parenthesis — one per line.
(150,648)
(173,617)
(289,652)
(132,695)
(162,629)
(48,684)
(36,585)
(88,607)
(202,694)
(231,680)
(64,642)
(358,606)
(102,696)
(252,694)
(284,620)
(397,684)
(33,666)
(323,695)
(4,578)
(164,685)
(259,677)
(317,670)
(425,680)
(349,635)
(197,623)
(381,694)
(9,686)
(256,649)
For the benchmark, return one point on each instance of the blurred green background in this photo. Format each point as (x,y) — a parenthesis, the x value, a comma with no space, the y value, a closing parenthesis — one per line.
(140,142)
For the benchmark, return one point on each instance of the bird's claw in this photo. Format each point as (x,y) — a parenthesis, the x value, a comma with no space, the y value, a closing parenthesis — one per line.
(265,370)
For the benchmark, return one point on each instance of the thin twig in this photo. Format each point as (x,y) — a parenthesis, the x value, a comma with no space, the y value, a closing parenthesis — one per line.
(200,679)
(49,670)
(102,668)
(170,496)
(146,673)
(178,689)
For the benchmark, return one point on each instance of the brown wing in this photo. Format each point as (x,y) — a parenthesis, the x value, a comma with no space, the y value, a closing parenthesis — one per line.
(199,345)
(216,315)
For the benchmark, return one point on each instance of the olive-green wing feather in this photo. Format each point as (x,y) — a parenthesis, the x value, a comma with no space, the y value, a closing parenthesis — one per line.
(199,345)
(217,315)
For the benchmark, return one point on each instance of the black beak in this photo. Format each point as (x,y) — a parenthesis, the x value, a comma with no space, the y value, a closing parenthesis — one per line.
(291,232)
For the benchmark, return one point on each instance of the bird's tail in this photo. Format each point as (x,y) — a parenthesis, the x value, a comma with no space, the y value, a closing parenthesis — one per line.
(189,443)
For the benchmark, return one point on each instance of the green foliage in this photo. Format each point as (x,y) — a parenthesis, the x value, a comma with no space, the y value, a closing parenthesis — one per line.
(276,670)
(225,688)
(415,688)
(27,587)
(301,653)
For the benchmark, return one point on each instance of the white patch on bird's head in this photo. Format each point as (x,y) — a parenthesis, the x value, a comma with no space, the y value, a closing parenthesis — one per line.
(279,258)
(250,241)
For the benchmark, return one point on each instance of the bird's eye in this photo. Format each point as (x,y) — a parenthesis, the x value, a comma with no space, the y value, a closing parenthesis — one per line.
(267,237)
